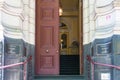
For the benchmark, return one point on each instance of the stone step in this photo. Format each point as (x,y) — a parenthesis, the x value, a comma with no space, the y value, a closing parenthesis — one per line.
(60,77)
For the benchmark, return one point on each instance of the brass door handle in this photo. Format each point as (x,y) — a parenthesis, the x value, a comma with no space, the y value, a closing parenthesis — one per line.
(47,51)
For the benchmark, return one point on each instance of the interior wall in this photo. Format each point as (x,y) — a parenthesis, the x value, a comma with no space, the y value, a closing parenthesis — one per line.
(72,26)
(70,17)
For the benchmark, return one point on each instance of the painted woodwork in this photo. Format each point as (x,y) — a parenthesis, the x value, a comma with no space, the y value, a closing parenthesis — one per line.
(47,47)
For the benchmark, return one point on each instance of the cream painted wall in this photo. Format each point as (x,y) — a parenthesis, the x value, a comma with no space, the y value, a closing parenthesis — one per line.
(72,29)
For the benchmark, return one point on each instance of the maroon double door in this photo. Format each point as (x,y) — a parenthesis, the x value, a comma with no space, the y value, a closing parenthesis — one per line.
(47,37)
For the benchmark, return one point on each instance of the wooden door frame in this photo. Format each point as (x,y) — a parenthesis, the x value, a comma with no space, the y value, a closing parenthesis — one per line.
(81,36)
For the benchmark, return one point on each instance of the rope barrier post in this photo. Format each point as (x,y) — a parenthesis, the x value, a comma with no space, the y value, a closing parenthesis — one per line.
(25,67)
(25,71)
(92,66)
(92,71)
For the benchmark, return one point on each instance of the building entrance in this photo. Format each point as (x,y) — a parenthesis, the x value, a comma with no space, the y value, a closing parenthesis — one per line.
(58,38)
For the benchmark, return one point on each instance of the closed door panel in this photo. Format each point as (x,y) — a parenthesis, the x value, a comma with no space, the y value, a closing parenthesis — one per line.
(47,47)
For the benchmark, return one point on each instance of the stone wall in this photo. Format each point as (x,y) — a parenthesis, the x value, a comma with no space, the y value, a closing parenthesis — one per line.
(17,29)
(18,19)
(101,31)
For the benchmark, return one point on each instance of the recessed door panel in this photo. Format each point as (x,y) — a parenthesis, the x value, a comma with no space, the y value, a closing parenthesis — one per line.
(47,39)
(47,47)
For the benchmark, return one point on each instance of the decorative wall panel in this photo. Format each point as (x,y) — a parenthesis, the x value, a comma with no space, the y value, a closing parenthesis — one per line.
(13,49)
(104,48)
(48,62)
(47,13)
(47,39)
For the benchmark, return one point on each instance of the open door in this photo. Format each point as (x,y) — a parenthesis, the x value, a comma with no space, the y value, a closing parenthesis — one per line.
(47,46)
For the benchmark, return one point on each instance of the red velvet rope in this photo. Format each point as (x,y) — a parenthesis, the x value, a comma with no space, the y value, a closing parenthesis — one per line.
(101,64)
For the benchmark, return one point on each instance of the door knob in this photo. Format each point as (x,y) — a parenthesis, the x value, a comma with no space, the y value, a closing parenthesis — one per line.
(47,51)
(57,51)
